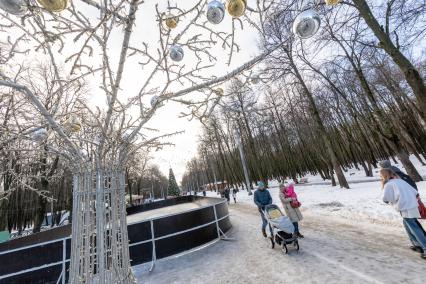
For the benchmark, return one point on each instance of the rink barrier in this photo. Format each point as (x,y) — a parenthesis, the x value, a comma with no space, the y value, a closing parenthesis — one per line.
(47,260)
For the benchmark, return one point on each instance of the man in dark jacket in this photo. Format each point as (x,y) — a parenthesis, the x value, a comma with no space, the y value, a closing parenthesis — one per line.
(226,193)
(261,198)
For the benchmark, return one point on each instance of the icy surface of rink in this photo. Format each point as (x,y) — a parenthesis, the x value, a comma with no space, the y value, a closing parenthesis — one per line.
(168,210)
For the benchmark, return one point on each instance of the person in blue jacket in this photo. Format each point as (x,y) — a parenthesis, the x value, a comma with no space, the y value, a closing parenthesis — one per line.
(262,197)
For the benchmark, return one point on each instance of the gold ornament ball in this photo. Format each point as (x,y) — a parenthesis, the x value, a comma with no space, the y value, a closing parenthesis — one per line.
(53,5)
(171,21)
(219,92)
(74,124)
(236,8)
(332,2)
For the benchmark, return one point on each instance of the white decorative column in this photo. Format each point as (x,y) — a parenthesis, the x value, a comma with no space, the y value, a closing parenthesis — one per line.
(99,244)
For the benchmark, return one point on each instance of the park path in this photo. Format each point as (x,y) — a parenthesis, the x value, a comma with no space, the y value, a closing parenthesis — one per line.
(333,251)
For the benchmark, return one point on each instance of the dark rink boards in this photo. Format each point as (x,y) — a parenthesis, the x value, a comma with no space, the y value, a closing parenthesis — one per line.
(42,257)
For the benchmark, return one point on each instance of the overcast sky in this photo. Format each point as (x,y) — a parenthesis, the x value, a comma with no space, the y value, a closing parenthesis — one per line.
(166,119)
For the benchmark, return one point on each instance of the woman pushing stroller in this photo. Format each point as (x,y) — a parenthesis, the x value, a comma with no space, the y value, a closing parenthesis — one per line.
(291,205)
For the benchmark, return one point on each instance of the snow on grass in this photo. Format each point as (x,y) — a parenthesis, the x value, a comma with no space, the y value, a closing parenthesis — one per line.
(362,202)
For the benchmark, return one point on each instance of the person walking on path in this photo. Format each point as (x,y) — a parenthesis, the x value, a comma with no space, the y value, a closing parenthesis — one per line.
(404,198)
(226,193)
(234,194)
(261,198)
(289,200)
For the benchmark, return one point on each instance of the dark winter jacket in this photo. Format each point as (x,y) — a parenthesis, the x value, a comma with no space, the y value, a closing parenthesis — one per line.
(407,179)
(262,198)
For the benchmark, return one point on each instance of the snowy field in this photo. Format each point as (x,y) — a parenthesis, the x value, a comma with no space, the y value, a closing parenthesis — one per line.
(351,236)
(362,202)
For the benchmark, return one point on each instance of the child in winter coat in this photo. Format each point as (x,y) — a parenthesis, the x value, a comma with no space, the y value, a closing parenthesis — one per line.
(288,198)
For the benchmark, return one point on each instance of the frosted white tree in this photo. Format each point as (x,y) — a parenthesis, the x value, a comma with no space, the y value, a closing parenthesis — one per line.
(103,42)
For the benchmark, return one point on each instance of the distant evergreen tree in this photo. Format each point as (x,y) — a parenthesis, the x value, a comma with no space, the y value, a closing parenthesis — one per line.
(173,188)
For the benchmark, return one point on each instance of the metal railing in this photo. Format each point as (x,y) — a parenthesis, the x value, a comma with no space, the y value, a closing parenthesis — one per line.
(153,239)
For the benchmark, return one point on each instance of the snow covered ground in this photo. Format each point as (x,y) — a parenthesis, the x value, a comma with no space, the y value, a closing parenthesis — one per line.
(351,236)
(362,202)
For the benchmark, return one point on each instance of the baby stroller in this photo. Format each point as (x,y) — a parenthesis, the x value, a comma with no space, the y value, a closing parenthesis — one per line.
(282,228)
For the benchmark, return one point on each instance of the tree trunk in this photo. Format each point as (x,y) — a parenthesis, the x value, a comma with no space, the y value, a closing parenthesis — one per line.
(317,118)
(410,72)
(408,165)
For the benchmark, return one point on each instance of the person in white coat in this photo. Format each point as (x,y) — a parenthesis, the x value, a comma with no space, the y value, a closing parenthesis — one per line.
(404,198)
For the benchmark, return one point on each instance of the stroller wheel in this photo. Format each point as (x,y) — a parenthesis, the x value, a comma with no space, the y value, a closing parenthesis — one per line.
(284,248)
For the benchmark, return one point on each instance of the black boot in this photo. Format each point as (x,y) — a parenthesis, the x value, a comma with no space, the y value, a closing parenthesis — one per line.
(300,235)
(417,249)
(272,242)
(264,233)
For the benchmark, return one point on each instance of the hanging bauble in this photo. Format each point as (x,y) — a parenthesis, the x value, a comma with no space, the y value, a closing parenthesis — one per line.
(255,79)
(126,135)
(154,101)
(332,2)
(215,12)
(171,21)
(306,24)
(236,8)
(73,124)
(219,92)
(176,53)
(39,135)
(53,5)
(15,7)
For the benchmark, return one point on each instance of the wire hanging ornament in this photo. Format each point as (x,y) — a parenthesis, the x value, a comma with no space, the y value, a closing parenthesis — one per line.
(219,91)
(14,7)
(307,23)
(73,123)
(215,12)
(171,21)
(53,5)
(176,53)
(236,8)
(39,135)
(332,2)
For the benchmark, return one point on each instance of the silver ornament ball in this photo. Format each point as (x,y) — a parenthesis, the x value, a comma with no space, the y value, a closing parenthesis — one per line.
(154,100)
(15,7)
(39,135)
(255,79)
(176,53)
(215,12)
(306,24)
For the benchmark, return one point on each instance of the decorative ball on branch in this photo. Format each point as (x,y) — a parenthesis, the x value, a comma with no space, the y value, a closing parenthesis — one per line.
(14,7)
(176,53)
(53,5)
(154,101)
(219,92)
(332,2)
(126,135)
(171,21)
(39,135)
(236,8)
(73,124)
(306,24)
(255,79)
(215,12)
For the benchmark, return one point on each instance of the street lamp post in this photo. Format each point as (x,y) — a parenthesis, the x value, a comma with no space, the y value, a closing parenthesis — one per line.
(243,159)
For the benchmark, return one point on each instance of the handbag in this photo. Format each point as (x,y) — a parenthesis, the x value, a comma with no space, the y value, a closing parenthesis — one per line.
(295,203)
(422,209)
